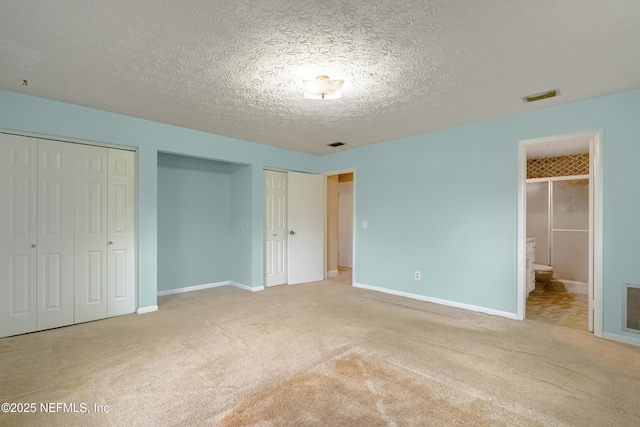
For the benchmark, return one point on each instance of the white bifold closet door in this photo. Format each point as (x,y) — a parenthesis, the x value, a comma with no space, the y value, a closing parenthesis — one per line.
(67,238)
(37,227)
(91,233)
(55,275)
(121,257)
(18,234)
(104,240)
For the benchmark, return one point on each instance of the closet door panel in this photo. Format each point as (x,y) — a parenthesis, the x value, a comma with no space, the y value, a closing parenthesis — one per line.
(121,237)
(55,248)
(91,233)
(18,234)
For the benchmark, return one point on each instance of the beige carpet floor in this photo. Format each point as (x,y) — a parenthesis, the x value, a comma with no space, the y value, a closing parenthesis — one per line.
(321,354)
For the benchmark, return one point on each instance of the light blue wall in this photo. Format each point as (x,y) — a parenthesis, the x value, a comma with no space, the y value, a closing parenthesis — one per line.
(241,225)
(24,113)
(194,221)
(439,209)
(445,203)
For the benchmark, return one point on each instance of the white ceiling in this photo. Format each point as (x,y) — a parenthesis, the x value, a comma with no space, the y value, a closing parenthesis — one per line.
(565,147)
(235,67)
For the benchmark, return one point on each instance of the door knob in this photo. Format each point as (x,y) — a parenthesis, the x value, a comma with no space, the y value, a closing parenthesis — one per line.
(292,232)
(33,245)
(109,242)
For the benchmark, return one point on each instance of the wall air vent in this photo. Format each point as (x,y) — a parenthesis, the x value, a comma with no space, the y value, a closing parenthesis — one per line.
(631,308)
(540,96)
(336,144)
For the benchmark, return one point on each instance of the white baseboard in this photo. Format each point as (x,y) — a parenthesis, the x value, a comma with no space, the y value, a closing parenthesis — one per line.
(149,309)
(332,273)
(438,301)
(621,338)
(247,288)
(208,286)
(193,288)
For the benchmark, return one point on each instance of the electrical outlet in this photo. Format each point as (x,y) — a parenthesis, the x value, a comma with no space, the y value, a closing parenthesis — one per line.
(417,275)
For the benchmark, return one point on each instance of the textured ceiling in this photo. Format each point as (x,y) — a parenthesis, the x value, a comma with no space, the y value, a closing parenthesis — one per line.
(236,67)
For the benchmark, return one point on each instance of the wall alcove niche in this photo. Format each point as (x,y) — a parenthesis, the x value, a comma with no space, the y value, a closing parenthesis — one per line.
(204,227)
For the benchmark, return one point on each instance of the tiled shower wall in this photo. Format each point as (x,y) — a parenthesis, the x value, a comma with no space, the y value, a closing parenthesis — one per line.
(546,167)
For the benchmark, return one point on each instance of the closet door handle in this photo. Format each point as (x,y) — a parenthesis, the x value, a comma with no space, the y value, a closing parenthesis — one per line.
(33,245)
(110,242)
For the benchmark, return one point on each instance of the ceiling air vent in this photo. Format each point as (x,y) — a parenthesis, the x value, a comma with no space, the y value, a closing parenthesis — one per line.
(336,144)
(541,95)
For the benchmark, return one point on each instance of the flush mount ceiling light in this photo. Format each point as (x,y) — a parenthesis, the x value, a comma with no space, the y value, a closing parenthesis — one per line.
(322,88)
(541,95)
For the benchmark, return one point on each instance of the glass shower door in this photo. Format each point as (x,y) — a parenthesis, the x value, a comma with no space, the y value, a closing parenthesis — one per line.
(538,218)
(570,230)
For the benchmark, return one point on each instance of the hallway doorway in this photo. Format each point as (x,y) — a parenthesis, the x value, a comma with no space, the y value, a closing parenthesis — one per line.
(340,219)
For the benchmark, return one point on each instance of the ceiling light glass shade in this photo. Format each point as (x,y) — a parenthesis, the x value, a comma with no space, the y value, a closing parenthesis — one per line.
(322,88)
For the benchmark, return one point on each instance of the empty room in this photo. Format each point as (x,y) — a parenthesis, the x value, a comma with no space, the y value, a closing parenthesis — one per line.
(329,213)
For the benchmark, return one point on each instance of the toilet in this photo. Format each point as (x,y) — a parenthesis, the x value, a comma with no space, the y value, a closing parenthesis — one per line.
(543,273)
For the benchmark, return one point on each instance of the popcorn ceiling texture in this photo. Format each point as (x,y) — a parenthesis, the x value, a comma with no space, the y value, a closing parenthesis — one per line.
(235,67)
(547,167)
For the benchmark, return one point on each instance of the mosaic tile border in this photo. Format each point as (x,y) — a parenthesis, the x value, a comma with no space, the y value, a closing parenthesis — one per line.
(547,167)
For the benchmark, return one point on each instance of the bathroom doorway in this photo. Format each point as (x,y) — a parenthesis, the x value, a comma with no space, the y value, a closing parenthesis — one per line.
(559,231)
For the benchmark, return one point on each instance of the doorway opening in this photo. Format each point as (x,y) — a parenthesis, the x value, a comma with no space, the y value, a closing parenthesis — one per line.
(560,230)
(340,227)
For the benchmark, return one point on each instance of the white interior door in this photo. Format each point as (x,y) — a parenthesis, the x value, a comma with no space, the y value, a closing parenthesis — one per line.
(345,224)
(120,233)
(55,247)
(276,233)
(306,209)
(18,234)
(91,233)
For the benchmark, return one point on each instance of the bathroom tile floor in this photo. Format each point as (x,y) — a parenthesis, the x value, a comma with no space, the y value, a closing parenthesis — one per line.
(559,308)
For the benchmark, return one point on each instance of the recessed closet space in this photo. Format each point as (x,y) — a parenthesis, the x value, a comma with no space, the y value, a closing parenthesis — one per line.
(204,211)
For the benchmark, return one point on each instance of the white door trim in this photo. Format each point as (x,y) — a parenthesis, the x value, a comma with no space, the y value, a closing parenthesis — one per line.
(596,238)
(66,139)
